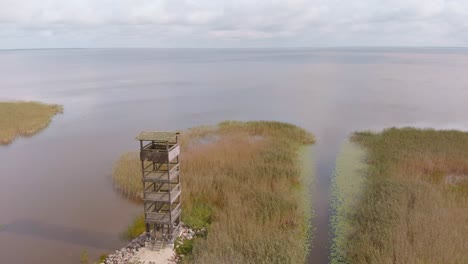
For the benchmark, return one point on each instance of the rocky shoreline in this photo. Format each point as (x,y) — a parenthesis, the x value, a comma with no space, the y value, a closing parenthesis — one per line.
(135,252)
(126,254)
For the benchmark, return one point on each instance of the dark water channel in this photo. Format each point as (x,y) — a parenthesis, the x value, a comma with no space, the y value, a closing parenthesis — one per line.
(56,195)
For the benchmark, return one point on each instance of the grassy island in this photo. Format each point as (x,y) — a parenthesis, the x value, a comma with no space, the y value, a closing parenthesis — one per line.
(245,183)
(24,119)
(402,197)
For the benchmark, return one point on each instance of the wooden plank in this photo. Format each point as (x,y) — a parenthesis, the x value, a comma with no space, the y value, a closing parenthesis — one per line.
(162,218)
(160,177)
(163,196)
(174,153)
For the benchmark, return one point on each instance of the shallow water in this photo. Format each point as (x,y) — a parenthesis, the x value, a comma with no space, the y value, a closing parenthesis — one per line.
(56,196)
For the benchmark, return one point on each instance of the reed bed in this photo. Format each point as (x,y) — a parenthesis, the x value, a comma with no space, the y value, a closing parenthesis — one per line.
(414,207)
(244,182)
(24,119)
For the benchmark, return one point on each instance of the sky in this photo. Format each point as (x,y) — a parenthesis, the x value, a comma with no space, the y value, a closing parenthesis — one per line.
(232,24)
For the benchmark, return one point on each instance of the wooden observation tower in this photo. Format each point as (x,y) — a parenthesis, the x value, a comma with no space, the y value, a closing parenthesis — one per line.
(159,155)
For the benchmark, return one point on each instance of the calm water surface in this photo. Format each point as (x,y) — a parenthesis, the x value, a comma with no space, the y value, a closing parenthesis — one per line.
(56,195)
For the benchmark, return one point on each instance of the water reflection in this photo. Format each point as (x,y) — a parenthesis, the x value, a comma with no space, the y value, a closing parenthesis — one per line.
(64,234)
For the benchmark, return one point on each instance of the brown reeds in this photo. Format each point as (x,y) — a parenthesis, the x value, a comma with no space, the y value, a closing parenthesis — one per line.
(414,207)
(24,119)
(242,181)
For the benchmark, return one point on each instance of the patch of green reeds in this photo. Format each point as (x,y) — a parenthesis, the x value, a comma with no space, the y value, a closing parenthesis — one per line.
(414,207)
(245,182)
(24,119)
(136,228)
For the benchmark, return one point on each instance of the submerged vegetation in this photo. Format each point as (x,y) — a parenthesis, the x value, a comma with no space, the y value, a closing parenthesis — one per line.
(244,182)
(347,187)
(24,119)
(136,228)
(413,208)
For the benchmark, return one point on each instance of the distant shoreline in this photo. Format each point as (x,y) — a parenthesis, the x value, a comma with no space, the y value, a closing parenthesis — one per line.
(417,49)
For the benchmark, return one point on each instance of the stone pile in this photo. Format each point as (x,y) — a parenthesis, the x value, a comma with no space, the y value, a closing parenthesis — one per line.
(134,250)
(126,254)
(186,234)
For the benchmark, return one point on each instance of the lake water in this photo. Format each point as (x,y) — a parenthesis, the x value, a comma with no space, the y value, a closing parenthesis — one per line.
(56,195)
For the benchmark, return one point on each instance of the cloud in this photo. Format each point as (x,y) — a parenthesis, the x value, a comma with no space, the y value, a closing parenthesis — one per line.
(233,23)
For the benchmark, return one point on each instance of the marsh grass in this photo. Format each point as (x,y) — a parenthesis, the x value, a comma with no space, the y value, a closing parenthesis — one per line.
(126,175)
(409,212)
(246,185)
(84,259)
(24,119)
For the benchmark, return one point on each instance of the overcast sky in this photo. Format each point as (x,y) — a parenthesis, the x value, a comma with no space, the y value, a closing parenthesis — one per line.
(243,23)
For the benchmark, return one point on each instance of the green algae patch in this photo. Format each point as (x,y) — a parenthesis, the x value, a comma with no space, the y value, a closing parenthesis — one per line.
(347,187)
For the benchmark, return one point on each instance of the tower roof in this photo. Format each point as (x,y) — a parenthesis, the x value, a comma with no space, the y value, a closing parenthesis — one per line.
(157,136)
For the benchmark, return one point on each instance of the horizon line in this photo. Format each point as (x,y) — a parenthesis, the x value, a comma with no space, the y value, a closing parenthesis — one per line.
(243,48)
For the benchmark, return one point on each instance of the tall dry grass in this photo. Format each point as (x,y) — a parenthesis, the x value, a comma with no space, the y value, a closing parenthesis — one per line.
(24,119)
(414,208)
(126,175)
(243,182)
